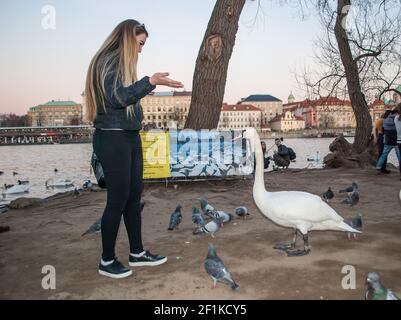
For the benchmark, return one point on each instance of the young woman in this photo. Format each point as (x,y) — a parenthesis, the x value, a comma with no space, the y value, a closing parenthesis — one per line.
(112,95)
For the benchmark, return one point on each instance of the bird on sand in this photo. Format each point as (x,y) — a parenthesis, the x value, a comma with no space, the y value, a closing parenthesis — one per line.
(205,206)
(242,212)
(216,269)
(175,218)
(226,217)
(376,290)
(328,195)
(356,223)
(349,190)
(211,227)
(352,199)
(301,211)
(94,228)
(197,217)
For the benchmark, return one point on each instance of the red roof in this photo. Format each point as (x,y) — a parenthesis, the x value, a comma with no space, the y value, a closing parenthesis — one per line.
(377,103)
(239,107)
(322,101)
(280,117)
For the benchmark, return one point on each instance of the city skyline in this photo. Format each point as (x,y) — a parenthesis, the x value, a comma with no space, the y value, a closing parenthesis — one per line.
(40,65)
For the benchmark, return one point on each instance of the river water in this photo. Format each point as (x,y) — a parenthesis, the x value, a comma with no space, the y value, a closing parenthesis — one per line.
(36,163)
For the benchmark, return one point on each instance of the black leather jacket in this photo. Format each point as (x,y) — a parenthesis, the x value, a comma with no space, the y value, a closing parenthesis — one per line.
(115,116)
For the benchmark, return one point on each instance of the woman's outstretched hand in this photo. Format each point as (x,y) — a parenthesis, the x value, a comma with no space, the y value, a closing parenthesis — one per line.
(160,79)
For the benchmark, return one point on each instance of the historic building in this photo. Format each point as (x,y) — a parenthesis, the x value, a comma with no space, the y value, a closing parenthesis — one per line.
(56,113)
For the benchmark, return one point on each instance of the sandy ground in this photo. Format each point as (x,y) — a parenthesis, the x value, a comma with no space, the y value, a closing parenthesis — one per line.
(50,234)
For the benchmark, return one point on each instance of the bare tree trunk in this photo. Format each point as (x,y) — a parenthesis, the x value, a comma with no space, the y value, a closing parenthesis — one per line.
(359,104)
(211,65)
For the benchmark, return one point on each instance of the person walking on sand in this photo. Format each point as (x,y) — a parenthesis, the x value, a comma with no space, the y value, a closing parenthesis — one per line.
(390,140)
(112,96)
(397,122)
(379,135)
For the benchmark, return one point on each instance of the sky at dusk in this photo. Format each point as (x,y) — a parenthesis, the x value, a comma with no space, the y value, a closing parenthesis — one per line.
(39,65)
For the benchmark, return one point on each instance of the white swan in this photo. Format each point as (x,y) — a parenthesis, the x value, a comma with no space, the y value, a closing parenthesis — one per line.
(301,211)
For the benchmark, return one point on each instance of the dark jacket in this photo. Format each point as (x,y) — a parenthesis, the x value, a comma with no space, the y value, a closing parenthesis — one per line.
(390,131)
(115,116)
(282,151)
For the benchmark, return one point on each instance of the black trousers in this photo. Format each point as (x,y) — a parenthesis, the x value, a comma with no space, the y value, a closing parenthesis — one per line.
(120,153)
(380,147)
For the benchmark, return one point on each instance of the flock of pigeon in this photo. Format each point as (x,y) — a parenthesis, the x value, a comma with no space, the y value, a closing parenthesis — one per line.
(210,220)
(352,200)
(214,266)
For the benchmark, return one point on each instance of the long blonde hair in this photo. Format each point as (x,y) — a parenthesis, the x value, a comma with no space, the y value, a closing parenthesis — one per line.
(120,51)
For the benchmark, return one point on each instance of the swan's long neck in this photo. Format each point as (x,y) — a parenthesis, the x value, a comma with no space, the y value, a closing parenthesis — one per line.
(259,172)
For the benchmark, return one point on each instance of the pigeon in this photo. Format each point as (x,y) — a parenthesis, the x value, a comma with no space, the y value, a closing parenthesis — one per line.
(76,192)
(226,217)
(206,207)
(350,189)
(356,223)
(376,291)
(175,219)
(197,217)
(23,182)
(15,173)
(216,269)
(352,198)
(88,184)
(94,228)
(328,195)
(242,212)
(211,227)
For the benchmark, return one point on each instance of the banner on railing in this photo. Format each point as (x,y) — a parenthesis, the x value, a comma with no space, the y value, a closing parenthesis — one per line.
(190,153)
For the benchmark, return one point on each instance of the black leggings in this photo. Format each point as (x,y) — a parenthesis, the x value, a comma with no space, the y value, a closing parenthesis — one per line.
(120,153)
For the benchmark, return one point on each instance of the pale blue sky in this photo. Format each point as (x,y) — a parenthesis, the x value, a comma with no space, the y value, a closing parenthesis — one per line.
(38,65)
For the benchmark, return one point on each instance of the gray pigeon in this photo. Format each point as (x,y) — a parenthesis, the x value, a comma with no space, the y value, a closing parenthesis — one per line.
(352,199)
(356,223)
(94,228)
(226,217)
(352,188)
(376,291)
(176,218)
(328,195)
(206,207)
(197,217)
(216,269)
(211,227)
(242,212)
(76,192)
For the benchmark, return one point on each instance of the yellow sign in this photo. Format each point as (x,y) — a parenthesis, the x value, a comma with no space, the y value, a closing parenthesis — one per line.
(156,154)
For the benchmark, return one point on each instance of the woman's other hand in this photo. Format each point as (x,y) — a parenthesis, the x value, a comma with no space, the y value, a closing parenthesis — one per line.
(160,79)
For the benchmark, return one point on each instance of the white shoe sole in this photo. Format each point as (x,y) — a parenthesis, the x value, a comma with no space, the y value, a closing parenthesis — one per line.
(115,276)
(145,264)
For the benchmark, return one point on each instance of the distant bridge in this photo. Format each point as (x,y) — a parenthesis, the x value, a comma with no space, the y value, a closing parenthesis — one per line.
(45,135)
